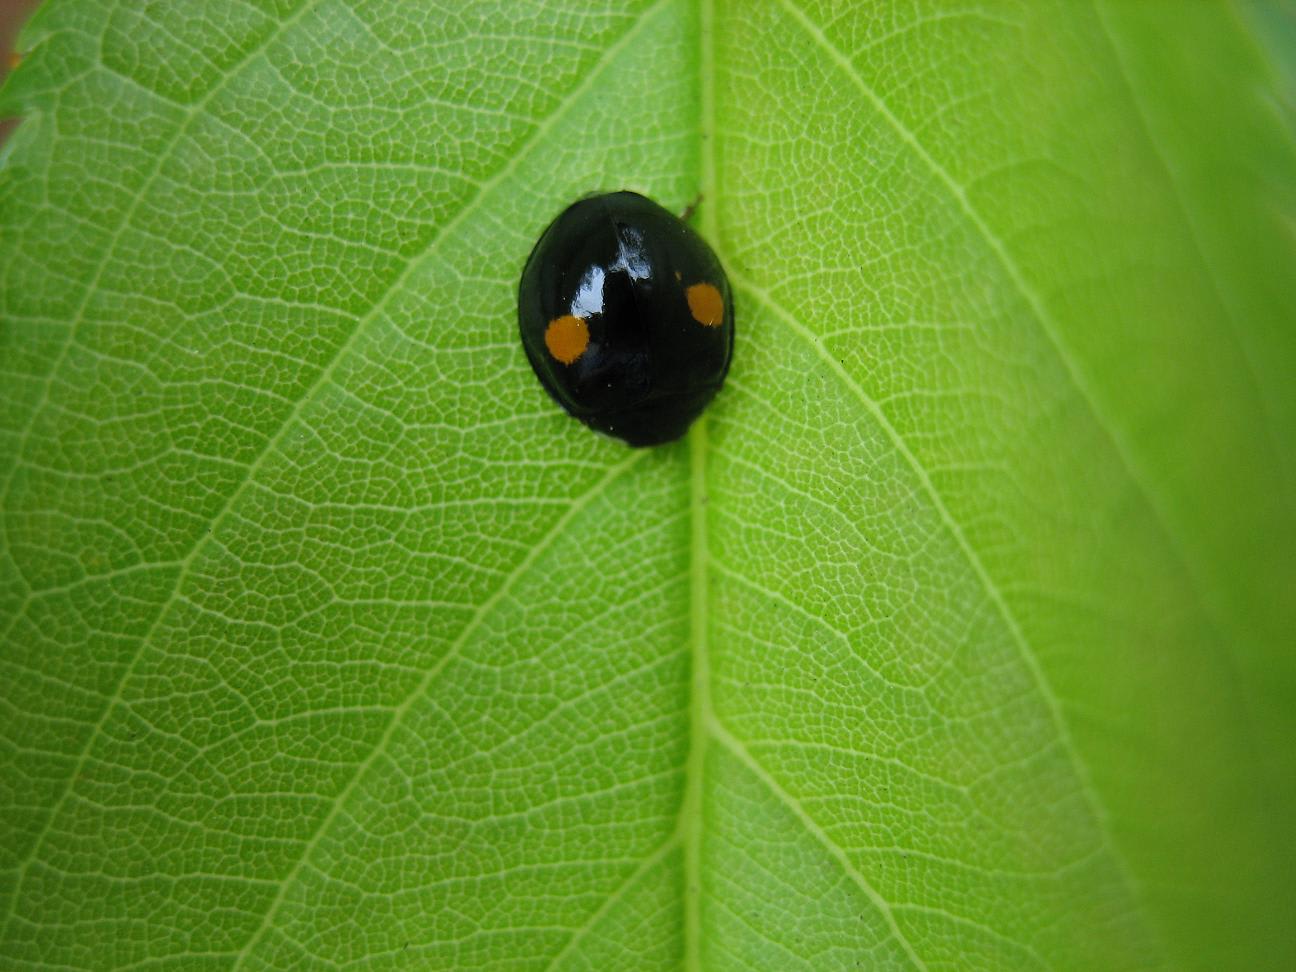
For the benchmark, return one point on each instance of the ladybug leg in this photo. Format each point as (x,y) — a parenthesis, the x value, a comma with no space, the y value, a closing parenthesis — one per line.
(691,208)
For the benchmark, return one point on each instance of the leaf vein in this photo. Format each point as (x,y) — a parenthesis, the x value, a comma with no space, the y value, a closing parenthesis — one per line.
(321,381)
(398,714)
(740,752)
(1049,697)
(1047,323)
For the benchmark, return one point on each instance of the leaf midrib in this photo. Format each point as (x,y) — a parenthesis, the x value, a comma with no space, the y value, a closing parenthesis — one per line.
(691,822)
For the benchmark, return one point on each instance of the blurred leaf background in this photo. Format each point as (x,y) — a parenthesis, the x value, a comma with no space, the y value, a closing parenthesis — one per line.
(958,635)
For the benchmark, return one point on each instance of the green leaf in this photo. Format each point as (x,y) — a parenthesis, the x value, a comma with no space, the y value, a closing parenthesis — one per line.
(957,636)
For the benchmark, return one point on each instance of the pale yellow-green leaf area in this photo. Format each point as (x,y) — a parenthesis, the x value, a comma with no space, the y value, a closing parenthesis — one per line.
(956,636)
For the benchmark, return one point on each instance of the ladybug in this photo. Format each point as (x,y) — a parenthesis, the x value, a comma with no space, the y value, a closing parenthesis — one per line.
(627,317)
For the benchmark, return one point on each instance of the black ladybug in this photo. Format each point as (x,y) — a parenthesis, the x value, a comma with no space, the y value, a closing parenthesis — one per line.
(627,317)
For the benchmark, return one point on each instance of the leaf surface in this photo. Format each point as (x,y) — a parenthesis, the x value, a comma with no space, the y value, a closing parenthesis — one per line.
(957,635)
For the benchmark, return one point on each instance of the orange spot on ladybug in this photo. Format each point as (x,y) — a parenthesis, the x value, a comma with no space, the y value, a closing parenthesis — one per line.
(567,337)
(705,304)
